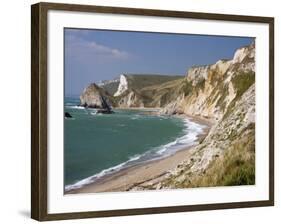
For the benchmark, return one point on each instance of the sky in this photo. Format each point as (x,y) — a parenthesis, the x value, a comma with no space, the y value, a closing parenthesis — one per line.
(96,55)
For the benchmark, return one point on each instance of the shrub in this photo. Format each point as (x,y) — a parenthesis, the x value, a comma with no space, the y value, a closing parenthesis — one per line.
(242,82)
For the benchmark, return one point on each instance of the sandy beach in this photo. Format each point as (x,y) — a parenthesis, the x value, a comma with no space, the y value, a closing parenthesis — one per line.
(149,172)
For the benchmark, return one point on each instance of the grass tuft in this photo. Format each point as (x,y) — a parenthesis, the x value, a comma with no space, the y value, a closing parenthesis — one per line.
(242,82)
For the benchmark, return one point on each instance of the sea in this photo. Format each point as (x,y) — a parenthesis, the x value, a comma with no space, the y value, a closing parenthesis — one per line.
(96,144)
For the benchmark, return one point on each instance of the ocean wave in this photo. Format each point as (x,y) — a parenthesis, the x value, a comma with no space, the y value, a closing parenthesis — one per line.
(69,118)
(136,117)
(94,113)
(191,132)
(134,158)
(76,107)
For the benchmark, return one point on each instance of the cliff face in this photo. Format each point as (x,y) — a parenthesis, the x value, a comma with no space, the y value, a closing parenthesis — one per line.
(211,89)
(130,98)
(226,156)
(126,96)
(123,86)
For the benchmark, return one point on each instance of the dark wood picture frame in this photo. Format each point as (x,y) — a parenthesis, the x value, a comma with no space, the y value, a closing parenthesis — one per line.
(39,204)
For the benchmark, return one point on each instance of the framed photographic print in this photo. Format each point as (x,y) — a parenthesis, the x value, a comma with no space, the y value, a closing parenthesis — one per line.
(139,111)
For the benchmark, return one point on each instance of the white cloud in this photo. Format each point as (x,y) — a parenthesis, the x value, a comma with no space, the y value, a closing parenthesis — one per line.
(79,47)
(102,49)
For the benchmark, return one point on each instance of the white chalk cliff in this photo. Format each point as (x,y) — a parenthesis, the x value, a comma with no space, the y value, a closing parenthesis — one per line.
(123,86)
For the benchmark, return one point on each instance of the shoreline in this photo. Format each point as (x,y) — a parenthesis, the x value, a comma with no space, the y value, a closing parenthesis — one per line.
(150,171)
(138,108)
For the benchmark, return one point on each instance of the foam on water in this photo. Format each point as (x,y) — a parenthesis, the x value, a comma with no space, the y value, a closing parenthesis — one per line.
(75,107)
(192,130)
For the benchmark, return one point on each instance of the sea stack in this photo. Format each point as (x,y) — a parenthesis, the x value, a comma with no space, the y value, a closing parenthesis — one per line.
(95,97)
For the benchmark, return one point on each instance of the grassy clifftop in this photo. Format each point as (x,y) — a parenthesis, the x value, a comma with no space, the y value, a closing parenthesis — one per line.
(139,81)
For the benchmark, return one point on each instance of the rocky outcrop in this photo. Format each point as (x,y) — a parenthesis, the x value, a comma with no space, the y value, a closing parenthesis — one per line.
(67,115)
(95,97)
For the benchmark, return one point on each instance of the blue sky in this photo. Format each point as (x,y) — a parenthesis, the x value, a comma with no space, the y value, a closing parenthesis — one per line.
(95,55)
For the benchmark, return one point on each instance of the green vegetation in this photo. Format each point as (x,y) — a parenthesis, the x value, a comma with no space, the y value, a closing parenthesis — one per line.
(164,93)
(111,88)
(244,175)
(238,163)
(242,82)
(139,81)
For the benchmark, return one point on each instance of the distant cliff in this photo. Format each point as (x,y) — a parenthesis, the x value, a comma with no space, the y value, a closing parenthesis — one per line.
(130,90)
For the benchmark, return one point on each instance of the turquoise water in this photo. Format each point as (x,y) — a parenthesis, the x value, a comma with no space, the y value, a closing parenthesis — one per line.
(99,144)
